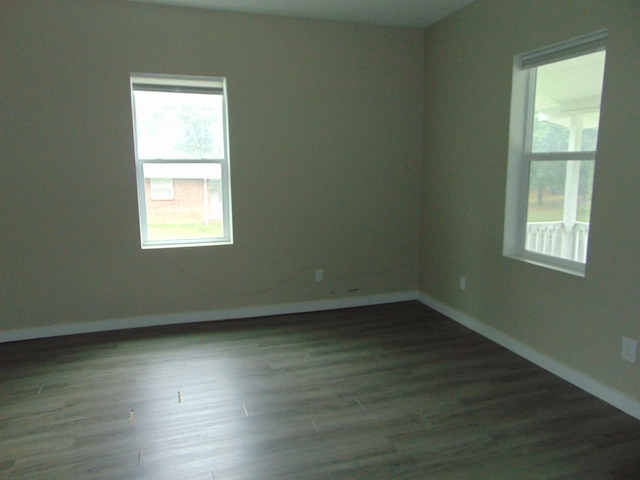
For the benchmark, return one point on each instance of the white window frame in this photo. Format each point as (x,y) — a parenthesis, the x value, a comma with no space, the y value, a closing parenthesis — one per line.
(183,83)
(520,153)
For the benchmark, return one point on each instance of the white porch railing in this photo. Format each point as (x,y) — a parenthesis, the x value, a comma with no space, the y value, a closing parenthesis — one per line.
(553,238)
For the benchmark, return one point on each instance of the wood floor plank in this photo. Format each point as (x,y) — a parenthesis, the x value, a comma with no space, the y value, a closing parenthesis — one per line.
(383,392)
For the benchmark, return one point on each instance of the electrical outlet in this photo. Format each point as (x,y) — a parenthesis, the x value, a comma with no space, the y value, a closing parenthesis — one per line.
(319,275)
(629,349)
(463,283)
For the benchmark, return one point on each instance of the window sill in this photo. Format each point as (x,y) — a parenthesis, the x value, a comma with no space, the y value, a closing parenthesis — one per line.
(552,263)
(184,244)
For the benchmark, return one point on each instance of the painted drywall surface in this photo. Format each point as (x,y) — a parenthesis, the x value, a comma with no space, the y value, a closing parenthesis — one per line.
(325,139)
(577,321)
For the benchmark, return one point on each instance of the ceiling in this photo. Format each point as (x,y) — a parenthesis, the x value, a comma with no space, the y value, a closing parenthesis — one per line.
(406,13)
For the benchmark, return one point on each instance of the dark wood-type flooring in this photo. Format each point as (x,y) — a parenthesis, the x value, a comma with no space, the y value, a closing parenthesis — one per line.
(385,392)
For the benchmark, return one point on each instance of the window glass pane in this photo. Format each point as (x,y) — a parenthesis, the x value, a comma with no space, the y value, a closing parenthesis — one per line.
(559,208)
(567,104)
(195,209)
(172,125)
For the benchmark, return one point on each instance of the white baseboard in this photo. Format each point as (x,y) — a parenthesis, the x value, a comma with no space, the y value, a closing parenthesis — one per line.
(581,380)
(203,316)
(571,375)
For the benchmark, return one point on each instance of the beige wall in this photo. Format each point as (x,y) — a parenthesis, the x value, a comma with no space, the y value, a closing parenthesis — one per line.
(577,321)
(326,145)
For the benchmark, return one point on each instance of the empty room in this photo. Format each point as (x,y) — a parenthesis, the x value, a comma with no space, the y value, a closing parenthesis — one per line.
(319,239)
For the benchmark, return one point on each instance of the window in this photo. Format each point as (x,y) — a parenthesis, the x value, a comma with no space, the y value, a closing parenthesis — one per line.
(555,114)
(161,188)
(182,160)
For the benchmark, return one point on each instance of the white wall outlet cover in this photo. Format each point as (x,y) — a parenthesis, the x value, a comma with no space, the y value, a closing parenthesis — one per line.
(629,349)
